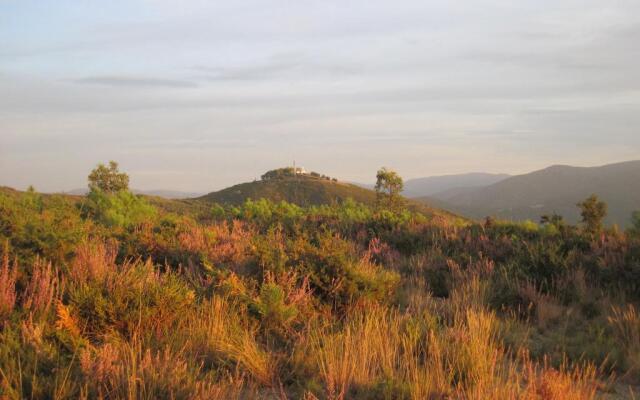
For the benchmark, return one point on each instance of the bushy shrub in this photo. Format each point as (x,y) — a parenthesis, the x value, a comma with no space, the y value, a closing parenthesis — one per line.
(271,307)
(130,299)
(336,274)
(120,209)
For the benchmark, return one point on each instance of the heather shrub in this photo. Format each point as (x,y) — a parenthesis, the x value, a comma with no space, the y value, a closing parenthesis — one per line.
(270,251)
(129,299)
(336,274)
(43,290)
(50,227)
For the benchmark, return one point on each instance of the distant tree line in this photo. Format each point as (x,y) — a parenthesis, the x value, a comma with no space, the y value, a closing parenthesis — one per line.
(279,173)
(290,172)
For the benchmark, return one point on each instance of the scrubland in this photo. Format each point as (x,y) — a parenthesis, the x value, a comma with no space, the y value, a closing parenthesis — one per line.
(115,298)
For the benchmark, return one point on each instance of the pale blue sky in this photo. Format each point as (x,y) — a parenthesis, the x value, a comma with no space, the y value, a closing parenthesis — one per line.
(198,95)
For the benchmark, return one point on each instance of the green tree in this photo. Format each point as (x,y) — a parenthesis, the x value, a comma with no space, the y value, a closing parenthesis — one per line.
(635,222)
(389,185)
(108,179)
(111,203)
(121,209)
(593,212)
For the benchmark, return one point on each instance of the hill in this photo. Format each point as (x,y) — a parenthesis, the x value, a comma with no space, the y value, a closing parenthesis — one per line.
(301,190)
(554,189)
(306,190)
(431,185)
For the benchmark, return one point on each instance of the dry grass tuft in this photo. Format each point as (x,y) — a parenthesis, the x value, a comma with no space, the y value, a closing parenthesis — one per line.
(127,370)
(545,382)
(218,333)
(8,275)
(625,323)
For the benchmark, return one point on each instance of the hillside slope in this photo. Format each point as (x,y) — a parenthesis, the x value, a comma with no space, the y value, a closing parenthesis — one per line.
(305,190)
(554,189)
(302,190)
(166,194)
(436,184)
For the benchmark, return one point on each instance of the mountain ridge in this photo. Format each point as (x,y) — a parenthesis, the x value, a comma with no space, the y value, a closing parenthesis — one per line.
(430,185)
(556,188)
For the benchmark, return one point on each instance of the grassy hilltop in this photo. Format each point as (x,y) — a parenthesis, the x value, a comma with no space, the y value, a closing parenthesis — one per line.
(300,189)
(305,190)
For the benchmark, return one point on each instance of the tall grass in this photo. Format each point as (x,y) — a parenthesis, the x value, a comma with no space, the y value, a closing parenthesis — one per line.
(464,360)
(219,334)
(625,323)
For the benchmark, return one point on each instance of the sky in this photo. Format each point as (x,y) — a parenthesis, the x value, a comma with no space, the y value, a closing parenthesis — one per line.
(199,95)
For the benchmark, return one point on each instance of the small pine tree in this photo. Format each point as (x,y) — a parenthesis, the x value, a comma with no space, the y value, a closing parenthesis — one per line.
(593,212)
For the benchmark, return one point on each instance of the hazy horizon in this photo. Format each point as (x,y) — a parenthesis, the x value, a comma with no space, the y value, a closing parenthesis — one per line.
(370,181)
(196,96)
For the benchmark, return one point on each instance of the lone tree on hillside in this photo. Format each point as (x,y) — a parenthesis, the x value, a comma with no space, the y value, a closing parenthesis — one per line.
(593,212)
(108,179)
(388,187)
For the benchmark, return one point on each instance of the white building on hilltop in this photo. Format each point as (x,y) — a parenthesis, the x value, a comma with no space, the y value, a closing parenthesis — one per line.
(298,170)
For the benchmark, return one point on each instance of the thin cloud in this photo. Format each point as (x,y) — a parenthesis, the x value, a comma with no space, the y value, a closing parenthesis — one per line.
(128,82)
(245,73)
(289,65)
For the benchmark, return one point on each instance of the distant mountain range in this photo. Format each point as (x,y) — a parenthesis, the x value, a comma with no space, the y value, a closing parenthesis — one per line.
(167,194)
(554,189)
(438,184)
(420,187)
